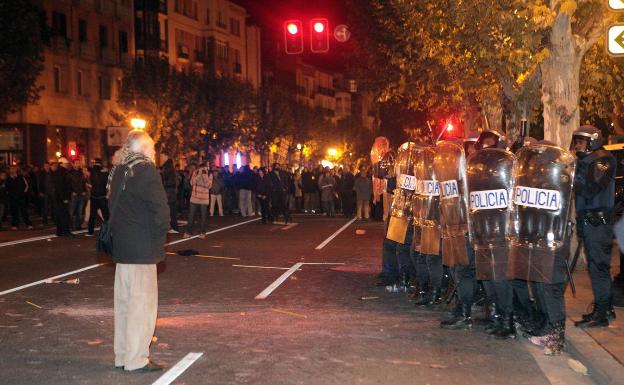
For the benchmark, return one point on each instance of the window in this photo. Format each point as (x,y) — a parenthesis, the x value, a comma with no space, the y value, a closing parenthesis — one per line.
(57,79)
(123,42)
(119,87)
(222,50)
(82,30)
(208,16)
(187,8)
(104,87)
(235,27)
(237,62)
(59,24)
(103,36)
(220,21)
(79,85)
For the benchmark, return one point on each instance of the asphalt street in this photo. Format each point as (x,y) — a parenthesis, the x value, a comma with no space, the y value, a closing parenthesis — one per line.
(326,323)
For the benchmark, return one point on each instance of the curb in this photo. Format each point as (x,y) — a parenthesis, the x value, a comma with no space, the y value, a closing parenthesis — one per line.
(603,368)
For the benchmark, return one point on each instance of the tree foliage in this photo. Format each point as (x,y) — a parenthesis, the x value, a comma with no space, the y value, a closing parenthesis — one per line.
(22,35)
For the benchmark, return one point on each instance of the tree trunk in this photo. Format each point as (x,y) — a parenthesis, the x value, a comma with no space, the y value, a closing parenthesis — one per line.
(560,84)
(494,114)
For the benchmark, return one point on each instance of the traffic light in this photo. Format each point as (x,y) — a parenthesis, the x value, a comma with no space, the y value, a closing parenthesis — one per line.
(73,152)
(319,35)
(293,37)
(450,127)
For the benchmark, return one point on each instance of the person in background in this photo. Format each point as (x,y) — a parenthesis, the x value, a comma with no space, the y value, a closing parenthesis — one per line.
(170,179)
(62,196)
(78,186)
(298,191)
(364,193)
(308,186)
(17,188)
(327,185)
(216,191)
(263,193)
(46,192)
(346,192)
(245,184)
(4,197)
(201,182)
(98,179)
(278,194)
(139,220)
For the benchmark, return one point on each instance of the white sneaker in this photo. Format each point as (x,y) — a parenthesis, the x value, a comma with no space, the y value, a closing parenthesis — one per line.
(202,236)
(186,235)
(172,231)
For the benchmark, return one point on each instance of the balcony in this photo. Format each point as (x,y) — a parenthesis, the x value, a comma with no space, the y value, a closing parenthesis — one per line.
(200,57)
(326,91)
(86,51)
(107,56)
(183,54)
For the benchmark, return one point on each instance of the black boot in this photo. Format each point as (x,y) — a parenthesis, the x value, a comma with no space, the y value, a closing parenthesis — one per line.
(460,320)
(417,295)
(507,330)
(610,313)
(436,297)
(596,319)
(424,298)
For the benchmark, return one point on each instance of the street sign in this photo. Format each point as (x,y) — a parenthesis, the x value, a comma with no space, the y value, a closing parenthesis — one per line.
(615,40)
(616,5)
(342,33)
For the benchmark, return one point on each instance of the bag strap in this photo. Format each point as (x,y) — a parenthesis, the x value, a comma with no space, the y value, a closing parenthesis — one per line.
(123,185)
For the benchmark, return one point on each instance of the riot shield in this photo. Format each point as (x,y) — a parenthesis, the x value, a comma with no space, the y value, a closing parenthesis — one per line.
(426,205)
(401,208)
(543,177)
(490,185)
(450,169)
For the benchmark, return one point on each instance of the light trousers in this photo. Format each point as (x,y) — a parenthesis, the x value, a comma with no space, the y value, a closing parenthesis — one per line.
(136,307)
(216,199)
(363,209)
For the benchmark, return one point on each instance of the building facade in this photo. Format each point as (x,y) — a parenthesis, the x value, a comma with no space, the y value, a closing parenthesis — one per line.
(91,44)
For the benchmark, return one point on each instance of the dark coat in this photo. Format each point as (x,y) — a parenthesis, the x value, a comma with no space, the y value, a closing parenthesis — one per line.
(17,188)
(78,181)
(170,180)
(141,219)
(98,179)
(263,185)
(62,188)
(309,182)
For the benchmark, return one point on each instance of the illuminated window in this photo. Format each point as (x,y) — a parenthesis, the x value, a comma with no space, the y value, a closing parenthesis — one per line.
(239,161)
(226,159)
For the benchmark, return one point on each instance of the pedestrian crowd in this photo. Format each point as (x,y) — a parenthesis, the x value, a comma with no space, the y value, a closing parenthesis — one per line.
(67,194)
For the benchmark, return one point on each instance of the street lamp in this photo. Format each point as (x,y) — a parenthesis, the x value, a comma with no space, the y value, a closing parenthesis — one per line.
(299,146)
(332,152)
(138,123)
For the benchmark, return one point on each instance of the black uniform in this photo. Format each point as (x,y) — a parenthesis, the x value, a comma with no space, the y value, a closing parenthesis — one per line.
(594,187)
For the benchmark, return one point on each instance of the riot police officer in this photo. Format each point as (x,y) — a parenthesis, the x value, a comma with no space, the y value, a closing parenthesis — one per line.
(594,187)
(491,138)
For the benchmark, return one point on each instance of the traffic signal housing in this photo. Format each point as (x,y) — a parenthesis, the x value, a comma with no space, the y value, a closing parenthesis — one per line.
(319,35)
(293,37)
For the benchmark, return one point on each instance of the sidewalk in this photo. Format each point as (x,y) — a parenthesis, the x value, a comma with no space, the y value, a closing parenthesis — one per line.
(602,350)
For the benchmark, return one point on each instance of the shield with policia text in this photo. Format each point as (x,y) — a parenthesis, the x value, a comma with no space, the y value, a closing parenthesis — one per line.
(490,185)
(426,205)
(543,178)
(450,169)
(401,209)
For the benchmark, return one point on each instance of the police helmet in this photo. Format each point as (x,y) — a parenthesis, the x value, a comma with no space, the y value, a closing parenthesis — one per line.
(591,135)
(471,141)
(498,137)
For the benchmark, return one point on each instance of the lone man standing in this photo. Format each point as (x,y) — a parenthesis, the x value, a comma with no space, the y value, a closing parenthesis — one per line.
(139,224)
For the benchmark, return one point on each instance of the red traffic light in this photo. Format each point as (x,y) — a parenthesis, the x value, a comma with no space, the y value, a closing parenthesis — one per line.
(293,38)
(292,28)
(73,152)
(319,35)
(449,127)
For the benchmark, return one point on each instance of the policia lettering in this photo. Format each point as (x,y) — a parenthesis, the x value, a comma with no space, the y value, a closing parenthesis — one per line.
(538,198)
(489,199)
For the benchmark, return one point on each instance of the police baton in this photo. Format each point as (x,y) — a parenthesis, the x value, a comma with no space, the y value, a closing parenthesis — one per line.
(570,267)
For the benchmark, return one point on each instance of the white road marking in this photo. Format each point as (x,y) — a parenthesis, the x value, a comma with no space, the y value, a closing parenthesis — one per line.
(40,238)
(178,369)
(212,232)
(203,256)
(324,263)
(50,279)
(289,226)
(266,292)
(263,267)
(334,235)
